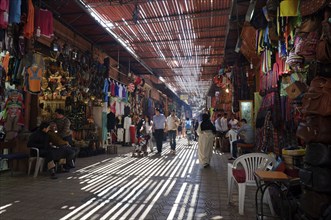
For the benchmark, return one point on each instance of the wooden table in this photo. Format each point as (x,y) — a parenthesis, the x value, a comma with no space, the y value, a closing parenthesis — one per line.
(265,179)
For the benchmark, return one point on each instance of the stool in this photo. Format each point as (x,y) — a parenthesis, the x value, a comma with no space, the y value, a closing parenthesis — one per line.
(241,146)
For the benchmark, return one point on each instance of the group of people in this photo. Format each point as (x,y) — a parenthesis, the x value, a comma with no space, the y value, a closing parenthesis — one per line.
(159,125)
(238,132)
(54,141)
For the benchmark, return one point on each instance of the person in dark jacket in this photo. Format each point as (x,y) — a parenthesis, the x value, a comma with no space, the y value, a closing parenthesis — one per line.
(40,139)
(206,132)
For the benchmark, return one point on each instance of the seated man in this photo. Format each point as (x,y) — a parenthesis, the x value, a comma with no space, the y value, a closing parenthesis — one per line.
(40,140)
(63,125)
(57,141)
(246,135)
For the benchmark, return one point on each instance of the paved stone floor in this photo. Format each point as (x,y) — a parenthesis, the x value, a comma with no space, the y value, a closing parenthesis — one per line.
(123,187)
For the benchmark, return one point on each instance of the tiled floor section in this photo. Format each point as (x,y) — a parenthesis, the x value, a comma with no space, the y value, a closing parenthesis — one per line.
(123,187)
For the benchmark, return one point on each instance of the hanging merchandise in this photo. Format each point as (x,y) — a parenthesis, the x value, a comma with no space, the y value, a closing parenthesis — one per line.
(259,20)
(272,6)
(315,129)
(296,89)
(15,11)
(323,50)
(306,45)
(318,98)
(13,114)
(289,8)
(308,7)
(4,14)
(44,21)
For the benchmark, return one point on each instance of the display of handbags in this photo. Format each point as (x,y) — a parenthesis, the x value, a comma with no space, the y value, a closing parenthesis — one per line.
(315,129)
(316,178)
(314,204)
(318,98)
(318,155)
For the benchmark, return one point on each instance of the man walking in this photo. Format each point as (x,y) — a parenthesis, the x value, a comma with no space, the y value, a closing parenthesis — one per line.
(218,131)
(172,125)
(159,125)
(224,130)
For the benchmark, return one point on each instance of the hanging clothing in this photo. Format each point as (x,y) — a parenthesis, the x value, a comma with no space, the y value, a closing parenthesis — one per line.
(34,79)
(15,12)
(111,121)
(126,126)
(120,90)
(112,88)
(44,20)
(120,132)
(106,87)
(118,108)
(11,127)
(4,13)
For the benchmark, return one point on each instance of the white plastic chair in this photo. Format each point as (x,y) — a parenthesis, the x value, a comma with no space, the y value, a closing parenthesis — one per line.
(39,162)
(250,163)
(232,135)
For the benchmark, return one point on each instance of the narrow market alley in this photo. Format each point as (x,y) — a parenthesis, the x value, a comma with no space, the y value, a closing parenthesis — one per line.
(125,187)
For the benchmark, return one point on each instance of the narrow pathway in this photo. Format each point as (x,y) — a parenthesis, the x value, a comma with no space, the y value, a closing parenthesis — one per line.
(124,187)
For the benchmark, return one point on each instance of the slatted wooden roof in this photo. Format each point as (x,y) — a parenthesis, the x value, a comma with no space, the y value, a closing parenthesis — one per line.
(180,41)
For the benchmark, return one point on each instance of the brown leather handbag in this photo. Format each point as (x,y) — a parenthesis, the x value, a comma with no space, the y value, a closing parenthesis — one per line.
(316,129)
(318,98)
(323,50)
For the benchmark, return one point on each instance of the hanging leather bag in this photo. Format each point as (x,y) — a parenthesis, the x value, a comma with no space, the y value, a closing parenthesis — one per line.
(323,49)
(318,98)
(306,46)
(315,129)
(316,178)
(318,154)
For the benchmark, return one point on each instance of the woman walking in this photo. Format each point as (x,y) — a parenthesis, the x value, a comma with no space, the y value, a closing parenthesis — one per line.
(206,132)
(147,128)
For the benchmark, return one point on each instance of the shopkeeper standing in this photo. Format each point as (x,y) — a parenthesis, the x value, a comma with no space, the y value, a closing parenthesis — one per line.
(159,125)
(63,126)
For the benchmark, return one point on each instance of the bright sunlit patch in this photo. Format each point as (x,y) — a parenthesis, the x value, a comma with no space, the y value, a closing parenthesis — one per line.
(118,189)
(217,217)
(5,206)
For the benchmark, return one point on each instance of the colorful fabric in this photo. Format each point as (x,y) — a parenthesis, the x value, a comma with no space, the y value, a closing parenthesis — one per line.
(34,79)
(44,20)
(15,12)
(29,25)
